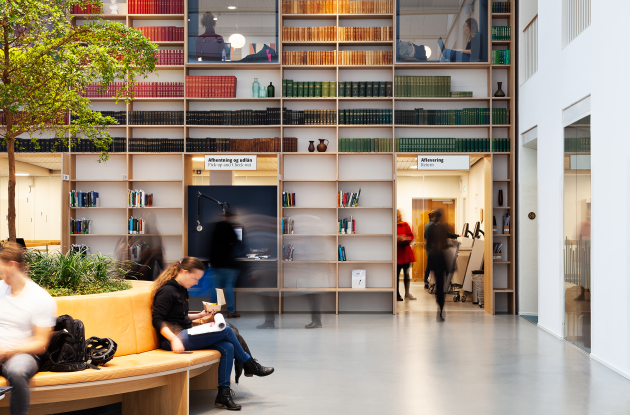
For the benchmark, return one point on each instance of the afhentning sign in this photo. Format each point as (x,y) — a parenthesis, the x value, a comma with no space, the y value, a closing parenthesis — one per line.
(245,162)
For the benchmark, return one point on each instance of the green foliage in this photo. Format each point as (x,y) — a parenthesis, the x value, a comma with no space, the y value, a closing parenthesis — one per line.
(45,61)
(75,274)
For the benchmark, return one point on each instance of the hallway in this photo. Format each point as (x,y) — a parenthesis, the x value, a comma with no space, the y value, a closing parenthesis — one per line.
(409,364)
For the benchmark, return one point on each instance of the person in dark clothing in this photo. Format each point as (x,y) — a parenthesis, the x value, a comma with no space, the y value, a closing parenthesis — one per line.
(171,319)
(209,45)
(471,34)
(223,252)
(436,239)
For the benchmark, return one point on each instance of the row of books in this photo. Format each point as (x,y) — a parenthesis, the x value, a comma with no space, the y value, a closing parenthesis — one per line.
(361,34)
(211,86)
(348,199)
(79,198)
(80,226)
(62,118)
(287,225)
(156,7)
(85,9)
(288,199)
(234,145)
(156,117)
(139,198)
(136,226)
(25,145)
(94,90)
(442,145)
(85,145)
(119,116)
(135,251)
(466,116)
(577,144)
(309,117)
(270,116)
(309,57)
(170,57)
(422,86)
(501,145)
(361,89)
(291,88)
(309,34)
(309,6)
(347,226)
(159,89)
(365,57)
(289,144)
(365,116)
(501,57)
(501,32)
(341,253)
(288,253)
(365,145)
(366,6)
(156,145)
(162,33)
(501,7)
(461,94)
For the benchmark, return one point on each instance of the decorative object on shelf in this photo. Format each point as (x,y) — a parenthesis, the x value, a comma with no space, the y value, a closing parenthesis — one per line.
(496,252)
(506,223)
(255,88)
(358,279)
(500,197)
(321,147)
(113,7)
(271,90)
(499,92)
(311,146)
(262,93)
(494,225)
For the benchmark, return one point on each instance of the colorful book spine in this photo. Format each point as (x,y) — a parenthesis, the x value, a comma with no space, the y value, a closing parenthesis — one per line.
(287,225)
(348,199)
(84,199)
(288,199)
(362,34)
(211,86)
(309,34)
(136,226)
(156,7)
(309,6)
(170,57)
(80,226)
(346,226)
(309,57)
(501,57)
(158,90)
(162,33)
(365,57)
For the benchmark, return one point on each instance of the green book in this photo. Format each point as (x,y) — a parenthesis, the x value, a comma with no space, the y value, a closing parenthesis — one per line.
(332,90)
(368,89)
(381,89)
(362,89)
(388,89)
(348,88)
(325,89)
(317,89)
(342,89)
(284,87)
(311,89)
(301,89)
(355,89)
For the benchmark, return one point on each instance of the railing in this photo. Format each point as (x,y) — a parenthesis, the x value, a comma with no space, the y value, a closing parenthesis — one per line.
(577,262)
(529,61)
(578,17)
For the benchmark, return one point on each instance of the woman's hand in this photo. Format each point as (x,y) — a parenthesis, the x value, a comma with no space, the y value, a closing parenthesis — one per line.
(176,345)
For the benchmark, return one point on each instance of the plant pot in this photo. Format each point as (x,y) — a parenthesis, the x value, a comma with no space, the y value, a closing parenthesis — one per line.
(321,147)
(311,146)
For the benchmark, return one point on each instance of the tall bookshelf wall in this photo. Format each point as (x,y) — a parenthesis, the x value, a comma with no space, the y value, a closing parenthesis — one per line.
(314,177)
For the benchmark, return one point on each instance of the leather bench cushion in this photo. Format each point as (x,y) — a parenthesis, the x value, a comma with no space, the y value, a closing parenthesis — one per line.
(126,366)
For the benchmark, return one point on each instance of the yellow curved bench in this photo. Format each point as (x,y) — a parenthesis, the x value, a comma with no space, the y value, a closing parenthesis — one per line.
(146,379)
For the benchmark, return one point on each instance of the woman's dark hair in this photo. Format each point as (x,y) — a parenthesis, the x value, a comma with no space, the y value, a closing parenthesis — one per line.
(474,27)
(189,263)
(208,20)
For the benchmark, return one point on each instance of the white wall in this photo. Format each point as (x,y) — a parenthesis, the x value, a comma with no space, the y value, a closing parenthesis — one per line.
(564,77)
(476,195)
(528,233)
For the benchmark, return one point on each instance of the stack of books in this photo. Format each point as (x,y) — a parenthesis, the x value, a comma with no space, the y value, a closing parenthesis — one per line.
(422,86)
(347,226)
(136,226)
(289,145)
(211,86)
(287,225)
(288,199)
(80,226)
(500,116)
(309,117)
(156,117)
(139,198)
(461,94)
(501,145)
(577,144)
(348,199)
(342,253)
(288,253)
(85,9)
(501,7)
(85,145)
(316,89)
(501,57)
(270,116)
(442,145)
(466,116)
(309,34)
(365,57)
(501,33)
(233,145)
(170,57)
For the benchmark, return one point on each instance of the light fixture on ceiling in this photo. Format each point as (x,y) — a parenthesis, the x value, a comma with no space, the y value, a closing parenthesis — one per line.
(231,7)
(198,159)
(237,40)
(414,167)
(427,51)
(21,174)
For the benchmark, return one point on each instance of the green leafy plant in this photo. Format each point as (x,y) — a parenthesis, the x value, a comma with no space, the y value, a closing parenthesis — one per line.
(76,274)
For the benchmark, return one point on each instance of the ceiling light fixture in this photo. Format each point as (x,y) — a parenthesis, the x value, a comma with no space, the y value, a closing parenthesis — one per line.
(231,7)
(198,159)
(21,174)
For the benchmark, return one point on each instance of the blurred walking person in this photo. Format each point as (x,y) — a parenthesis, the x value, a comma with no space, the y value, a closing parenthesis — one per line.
(223,253)
(404,257)
(437,243)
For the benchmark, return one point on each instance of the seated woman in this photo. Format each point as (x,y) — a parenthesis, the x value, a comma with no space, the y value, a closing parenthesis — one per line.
(471,34)
(171,319)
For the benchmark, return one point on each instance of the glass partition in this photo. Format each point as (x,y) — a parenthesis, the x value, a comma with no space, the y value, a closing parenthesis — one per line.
(232,31)
(577,233)
(442,30)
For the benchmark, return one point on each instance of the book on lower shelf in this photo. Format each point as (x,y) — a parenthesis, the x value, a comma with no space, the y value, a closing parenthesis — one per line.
(442,145)
(156,7)
(288,199)
(233,145)
(341,254)
(139,198)
(348,199)
(79,198)
(288,252)
(309,6)
(347,226)
(366,6)
(80,226)
(501,7)
(365,116)
(365,145)
(287,225)
(289,145)
(136,226)
(156,145)
(211,86)
(309,89)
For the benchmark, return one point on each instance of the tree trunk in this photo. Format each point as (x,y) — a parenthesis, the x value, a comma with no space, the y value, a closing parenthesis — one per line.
(11,195)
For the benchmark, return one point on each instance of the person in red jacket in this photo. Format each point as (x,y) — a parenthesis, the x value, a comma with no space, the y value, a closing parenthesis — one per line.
(405,255)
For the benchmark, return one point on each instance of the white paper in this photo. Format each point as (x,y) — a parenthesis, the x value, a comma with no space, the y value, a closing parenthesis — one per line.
(218,325)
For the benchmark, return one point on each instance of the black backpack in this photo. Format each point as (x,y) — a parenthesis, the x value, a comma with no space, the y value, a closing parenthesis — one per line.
(66,351)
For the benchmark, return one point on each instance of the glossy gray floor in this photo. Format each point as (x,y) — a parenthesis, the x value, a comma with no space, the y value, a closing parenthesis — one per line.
(409,364)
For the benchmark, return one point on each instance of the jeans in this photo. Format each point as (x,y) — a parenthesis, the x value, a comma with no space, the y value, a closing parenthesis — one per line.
(224,341)
(225,278)
(449,55)
(18,370)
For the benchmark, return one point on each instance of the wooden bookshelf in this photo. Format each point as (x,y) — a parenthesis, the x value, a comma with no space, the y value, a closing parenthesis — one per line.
(330,167)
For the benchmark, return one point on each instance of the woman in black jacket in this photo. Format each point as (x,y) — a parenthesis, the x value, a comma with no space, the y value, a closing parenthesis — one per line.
(171,319)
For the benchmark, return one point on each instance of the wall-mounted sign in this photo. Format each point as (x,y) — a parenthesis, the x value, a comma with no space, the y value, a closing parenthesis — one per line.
(443,162)
(241,162)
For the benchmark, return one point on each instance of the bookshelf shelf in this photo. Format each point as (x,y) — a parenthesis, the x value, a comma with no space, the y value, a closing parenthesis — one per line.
(98,234)
(501,15)
(156,16)
(169,67)
(501,207)
(365,262)
(310,126)
(309,98)
(444,65)
(366,16)
(360,67)
(365,98)
(233,99)
(368,289)
(443,99)
(363,181)
(365,125)
(157,207)
(501,234)
(156,180)
(501,262)
(503,290)
(297,42)
(366,43)
(502,42)
(501,181)
(331,16)
(102,16)
(233,65)
(309,262)
(365,207)
(501,98)
(97,180)
(159,99)
(169,43)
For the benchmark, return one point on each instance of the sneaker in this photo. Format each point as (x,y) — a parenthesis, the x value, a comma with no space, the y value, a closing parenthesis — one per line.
(233,315)
(314,325)
(266,325)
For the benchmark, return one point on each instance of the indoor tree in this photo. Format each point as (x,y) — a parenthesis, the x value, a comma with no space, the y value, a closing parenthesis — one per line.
(46,62)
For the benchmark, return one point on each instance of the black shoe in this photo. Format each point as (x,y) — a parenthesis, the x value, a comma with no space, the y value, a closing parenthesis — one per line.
(267,325)
(400,298)
(224,399)
(314,325)
(426,286)
(254,368)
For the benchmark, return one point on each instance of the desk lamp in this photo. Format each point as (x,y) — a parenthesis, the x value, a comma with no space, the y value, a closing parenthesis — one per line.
(199,196)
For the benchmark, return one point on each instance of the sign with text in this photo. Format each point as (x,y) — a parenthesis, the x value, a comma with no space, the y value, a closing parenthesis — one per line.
(244,162)
(443,162)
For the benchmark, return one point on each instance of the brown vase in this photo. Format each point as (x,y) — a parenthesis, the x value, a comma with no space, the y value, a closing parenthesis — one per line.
(500,197)
(311,146)
(321,147)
